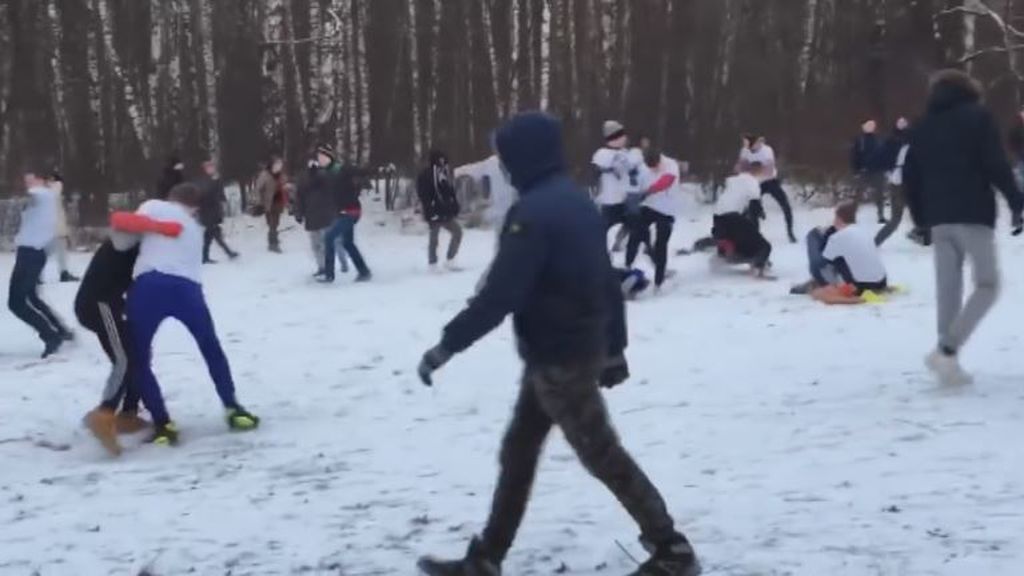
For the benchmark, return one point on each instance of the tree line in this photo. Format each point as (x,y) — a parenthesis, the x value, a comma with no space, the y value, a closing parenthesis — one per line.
(107,89)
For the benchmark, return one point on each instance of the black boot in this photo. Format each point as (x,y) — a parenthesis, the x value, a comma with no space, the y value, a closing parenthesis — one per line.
(66,276)
(674,558)
(476,563)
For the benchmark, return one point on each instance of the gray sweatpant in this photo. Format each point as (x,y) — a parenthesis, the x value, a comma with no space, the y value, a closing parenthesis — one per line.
(316,242)
(954,244)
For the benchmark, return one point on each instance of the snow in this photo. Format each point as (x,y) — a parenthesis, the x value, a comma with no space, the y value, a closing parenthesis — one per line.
(788,438)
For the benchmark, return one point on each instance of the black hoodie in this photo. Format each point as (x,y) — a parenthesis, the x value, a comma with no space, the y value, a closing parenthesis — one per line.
(552,271)
(169,178)
(436,190)
(956,158)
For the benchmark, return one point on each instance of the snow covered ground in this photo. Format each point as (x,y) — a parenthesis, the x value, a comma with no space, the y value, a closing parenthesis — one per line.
(788,438)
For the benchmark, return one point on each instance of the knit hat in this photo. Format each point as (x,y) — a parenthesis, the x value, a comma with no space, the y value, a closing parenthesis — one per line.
(326,150)
(612,130)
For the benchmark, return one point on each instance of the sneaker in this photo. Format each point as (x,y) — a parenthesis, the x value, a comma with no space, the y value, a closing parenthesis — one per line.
(209,261)
(451,266)
(129,422)
(803,289)
(166,435)
(102,422)
(947,369)
(233,255)
(364,277)
(324,278)
(66,276)
(673,559)
(476,563)
(52,345)
(240,420)
(275,249)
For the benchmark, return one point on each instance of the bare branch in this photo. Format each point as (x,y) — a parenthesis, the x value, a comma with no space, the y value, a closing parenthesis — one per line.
(312,39)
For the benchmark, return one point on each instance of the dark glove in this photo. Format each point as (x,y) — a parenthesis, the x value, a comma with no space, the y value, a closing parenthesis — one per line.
(432,361)
(616,371)
(298,218)
(1018,223)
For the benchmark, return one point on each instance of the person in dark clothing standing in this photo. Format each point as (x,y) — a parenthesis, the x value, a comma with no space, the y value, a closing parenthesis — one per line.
(211,212)
(868,165)
(343,181)
(1015,141)
(271,187)
(893,157)
(440,206)
(172,175)
(315,207)
(100,308)
(553,273)
(956,160)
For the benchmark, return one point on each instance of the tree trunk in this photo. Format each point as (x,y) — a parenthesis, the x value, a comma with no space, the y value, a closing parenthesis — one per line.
(545,57)
(363,83)
(57,64)
(414,79)
(209,76)
(135,114)
(500,105)
(6,77)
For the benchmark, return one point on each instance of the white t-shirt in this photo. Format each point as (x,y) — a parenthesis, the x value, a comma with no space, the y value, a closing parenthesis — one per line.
(740,191)
(615,166)
(181,256)
(857,248)
(503,194)
(39,219)
(766,156)
(667,201)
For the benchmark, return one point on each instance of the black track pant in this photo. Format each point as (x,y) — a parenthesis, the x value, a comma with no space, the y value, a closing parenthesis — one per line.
(106,320)
(23,296)
(742,232)
(640,233)
(774,189)
(568,397)
(215,234)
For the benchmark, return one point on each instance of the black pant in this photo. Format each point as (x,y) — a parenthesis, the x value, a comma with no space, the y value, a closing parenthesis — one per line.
(774,189)
(898,206)
(107,321)
(273,223)
(210,235)
(568,396)
(23,296)
(747,241)
(875,184)
(613,214)
(640,233)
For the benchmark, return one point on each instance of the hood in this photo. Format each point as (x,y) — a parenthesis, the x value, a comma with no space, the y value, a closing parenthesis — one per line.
(436,156)
(950,89)
(530,147)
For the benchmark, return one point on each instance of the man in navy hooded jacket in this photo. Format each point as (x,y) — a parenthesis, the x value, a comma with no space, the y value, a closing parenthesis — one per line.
(552,273)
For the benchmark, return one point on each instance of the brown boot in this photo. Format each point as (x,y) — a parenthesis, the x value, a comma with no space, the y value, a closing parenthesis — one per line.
(103,424)
(130,422)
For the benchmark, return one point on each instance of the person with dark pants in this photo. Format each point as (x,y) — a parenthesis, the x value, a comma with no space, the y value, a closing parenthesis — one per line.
(38,230)
(168,284)
(211,212)
(316,207)
(618,169)
(659,178)
(342,180)
(553,273)
(100,308)
(893,157)
(757,151)
(172,174)
(868,162)
(440,206)
(271,187)
(734,229)
(955,163)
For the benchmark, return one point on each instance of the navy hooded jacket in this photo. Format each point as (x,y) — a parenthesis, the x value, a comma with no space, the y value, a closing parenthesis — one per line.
(552,270)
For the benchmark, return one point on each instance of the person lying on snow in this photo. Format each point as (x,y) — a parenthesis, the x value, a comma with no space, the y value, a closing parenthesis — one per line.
(735,232)
(845,264)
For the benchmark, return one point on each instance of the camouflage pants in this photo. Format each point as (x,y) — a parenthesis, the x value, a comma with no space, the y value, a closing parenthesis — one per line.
(568,396)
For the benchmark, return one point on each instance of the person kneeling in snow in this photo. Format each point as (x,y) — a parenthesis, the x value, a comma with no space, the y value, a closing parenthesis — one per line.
(735,231)
(845,263)
(168,276)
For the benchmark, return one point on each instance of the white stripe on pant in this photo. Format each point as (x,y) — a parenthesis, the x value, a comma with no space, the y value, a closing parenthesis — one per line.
(118,372)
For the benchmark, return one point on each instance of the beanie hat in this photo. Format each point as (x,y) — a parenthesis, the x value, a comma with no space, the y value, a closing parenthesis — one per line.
(326,150)
(612,130)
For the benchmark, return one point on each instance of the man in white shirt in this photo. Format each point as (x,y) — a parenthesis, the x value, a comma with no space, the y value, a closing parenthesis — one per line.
(618,169)
(735,231)
(659,181)
(756,149)
(38,230)
(168,284)
(844,260)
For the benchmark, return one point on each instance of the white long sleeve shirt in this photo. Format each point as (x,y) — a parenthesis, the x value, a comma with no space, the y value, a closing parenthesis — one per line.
(740,191)
(181,256)
(39,220)
(616,166)
(668,201)
(766,156)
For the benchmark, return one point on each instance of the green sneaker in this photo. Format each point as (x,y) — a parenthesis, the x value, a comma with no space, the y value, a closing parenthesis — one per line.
(240,420)
(166,435)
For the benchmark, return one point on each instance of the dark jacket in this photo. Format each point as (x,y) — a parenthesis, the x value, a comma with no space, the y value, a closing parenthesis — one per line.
(437,196)
(955,160)
(169,178)
(316,200)
(889,153)
(347,188)
(552,271)
(211,203)
(106,280)
(865,155)
(1015,139)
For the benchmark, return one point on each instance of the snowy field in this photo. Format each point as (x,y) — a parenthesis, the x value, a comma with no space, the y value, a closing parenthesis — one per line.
(788,438)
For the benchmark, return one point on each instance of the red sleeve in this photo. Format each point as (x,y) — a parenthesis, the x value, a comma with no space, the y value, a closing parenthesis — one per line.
(138,224)
(663,183)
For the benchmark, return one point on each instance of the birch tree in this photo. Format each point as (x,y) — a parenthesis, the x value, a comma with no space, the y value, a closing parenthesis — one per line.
(136,117)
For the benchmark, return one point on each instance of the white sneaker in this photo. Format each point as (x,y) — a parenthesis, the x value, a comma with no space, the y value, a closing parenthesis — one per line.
(452,266)
(947,369)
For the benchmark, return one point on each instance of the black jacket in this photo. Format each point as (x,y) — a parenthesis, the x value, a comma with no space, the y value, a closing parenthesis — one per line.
(437,198)
(211,202)
(865,155)
(317,202)
(889,153)
(552,271)
(347,188)
(106,280)
(169,178)
(1015,139)
(955,160)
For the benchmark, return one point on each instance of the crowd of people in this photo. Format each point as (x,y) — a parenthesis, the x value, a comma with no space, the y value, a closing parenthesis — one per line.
(552,271)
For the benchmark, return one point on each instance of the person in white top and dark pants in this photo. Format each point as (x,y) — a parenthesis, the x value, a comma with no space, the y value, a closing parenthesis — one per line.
(618,169)
(755,149)
(37,232)
(659,181)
